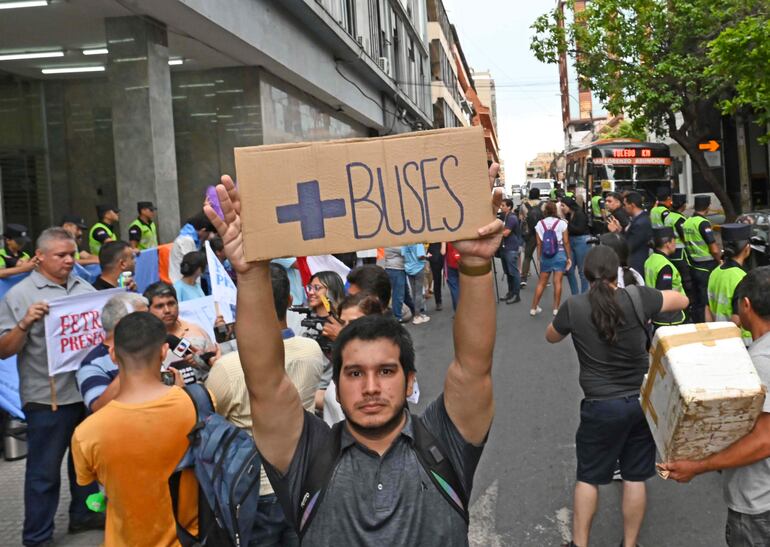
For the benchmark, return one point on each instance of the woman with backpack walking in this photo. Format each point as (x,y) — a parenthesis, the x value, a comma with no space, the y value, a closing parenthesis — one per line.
(608,327)
(554,251)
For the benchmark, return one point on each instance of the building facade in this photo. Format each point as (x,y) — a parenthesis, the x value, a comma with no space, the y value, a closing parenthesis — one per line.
(107,101)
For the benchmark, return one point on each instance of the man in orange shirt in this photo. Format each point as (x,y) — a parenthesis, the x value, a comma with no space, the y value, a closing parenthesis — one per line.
(133,444)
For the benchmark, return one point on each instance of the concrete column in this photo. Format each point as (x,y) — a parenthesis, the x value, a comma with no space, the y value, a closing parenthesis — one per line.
(142,121)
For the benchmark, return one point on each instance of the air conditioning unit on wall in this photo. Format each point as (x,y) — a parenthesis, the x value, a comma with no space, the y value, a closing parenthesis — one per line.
(384,63)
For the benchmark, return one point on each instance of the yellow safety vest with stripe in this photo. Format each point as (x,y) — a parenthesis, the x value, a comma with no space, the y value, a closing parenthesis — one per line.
(721,292)
(5,254)
(652,269)
(697,248)
(596,210)
(656,215)
(94,245)
(149,234)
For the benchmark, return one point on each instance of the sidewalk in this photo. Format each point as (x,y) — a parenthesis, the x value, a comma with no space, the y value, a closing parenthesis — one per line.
(12,510)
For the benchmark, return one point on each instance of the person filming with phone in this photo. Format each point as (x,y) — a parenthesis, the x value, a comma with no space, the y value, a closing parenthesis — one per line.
(190,347)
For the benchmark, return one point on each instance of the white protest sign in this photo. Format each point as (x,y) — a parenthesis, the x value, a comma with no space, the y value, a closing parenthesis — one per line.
(200,311)
(73,327)
(222,287)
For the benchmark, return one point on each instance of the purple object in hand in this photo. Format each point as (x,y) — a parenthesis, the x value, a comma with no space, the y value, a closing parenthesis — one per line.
(213,199)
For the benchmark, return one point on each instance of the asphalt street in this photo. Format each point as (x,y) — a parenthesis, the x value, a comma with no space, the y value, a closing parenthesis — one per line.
(523,486)
(522,494)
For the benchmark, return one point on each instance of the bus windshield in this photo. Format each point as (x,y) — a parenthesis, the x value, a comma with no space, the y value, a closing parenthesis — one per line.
(632,172)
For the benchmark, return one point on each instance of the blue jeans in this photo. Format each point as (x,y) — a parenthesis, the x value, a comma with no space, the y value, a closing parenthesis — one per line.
(273,530)
(579,245)
(511,263)
(453,280)
(48,438)
(397,290)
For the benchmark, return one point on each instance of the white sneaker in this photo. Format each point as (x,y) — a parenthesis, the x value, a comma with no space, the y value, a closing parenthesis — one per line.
(555,312)
(417,320)
(534,311)
(425,318)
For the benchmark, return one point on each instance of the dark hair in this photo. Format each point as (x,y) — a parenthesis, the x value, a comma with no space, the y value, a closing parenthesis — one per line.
(601,269)
(756,287)
(200,221)
(372,279)
(658,242)
(634,198)
(191,262)
(370,328)
(110,253)
(334,285)
(139,335)
(159,288)
(549,209)
(281,290)
(216,244)
(734,248)
(618,243)
(534,193)
(508,202)
(367,303)
(615,195)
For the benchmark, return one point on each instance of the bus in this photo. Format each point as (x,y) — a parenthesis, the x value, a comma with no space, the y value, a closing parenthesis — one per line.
(619,165)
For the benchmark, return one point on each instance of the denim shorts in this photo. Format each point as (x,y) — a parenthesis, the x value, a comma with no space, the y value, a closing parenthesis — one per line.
(744,530)
(557,263)
(614,430)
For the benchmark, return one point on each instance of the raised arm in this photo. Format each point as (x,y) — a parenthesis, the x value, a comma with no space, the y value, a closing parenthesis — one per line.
(468,383)
(276,409)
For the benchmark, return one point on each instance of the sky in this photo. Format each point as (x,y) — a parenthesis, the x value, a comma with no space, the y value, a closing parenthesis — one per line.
(495,36)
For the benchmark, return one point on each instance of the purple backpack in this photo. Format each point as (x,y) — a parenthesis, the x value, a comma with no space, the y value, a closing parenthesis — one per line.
(550,240)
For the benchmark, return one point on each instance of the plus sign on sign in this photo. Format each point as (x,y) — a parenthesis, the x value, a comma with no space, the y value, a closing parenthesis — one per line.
(318,198)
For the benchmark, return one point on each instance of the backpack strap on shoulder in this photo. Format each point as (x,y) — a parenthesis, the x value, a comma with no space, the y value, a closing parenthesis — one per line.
(201,399)
(438,467)
(636,304)
(317,478)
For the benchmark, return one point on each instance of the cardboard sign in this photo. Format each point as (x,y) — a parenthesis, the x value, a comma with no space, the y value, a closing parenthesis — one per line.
(73,327)
(318,198)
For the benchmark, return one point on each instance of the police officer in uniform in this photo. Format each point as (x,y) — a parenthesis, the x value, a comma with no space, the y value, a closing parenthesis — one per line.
(75,225)
(16,239)
(142,233)
(661,208)
(675,220)
(660,272)
(724,279)
(104,230)
(703,253)
(596,204)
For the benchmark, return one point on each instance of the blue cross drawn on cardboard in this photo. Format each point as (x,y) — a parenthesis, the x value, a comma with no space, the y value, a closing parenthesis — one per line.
(310,210)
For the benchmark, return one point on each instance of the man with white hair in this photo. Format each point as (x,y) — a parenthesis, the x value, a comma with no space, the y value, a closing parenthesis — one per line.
(97,377)
(22,333)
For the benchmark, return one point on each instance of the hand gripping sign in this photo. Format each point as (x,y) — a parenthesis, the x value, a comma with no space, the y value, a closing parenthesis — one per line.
(319,198)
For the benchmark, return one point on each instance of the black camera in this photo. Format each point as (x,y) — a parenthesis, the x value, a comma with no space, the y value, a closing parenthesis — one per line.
(314,327)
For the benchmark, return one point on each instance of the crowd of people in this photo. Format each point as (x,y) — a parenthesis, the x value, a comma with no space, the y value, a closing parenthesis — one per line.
(342,459)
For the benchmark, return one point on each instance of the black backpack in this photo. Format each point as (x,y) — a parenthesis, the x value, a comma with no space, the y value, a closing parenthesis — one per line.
(429,453)
(534,215)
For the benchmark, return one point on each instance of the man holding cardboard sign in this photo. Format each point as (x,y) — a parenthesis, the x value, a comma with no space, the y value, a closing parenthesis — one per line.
(381,459)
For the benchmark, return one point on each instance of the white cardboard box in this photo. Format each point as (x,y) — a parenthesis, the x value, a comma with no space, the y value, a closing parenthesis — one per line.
(702,392)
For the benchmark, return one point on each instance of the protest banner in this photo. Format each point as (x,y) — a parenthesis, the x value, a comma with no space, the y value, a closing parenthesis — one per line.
(73,327)
(316,198)
(200,311)
(222,287)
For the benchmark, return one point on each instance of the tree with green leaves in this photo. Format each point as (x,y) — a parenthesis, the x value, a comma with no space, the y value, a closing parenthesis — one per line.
(666,63)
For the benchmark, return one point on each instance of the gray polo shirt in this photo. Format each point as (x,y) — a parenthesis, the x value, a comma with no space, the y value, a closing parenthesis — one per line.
(747,489)
(373,500)
(34,385)
(394,260)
